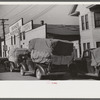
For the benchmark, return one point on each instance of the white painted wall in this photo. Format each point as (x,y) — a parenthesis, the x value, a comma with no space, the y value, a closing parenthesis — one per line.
(76,45)
(39,32)
(86,35)
(91,35)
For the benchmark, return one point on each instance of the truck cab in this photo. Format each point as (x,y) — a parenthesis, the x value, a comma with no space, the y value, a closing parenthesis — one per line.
(16,56)
(87,65)
(47,57)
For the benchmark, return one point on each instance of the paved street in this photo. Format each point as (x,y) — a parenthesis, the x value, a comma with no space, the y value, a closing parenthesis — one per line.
(17,76)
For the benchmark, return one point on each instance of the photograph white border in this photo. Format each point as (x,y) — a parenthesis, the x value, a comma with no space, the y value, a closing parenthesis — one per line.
(48,88)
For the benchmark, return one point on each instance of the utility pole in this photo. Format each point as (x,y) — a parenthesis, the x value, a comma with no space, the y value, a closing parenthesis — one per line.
(3,27)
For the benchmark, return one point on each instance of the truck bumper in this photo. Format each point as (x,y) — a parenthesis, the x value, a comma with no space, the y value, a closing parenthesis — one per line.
(56,73)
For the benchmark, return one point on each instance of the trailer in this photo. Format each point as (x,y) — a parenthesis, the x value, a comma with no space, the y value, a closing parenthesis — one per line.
(48,56)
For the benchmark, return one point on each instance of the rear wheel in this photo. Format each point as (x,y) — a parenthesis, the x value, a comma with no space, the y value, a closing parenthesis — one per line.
(30,66)
(73,70)
(22,71)
(38,74)
(11,66)
(7,67)
(98,73)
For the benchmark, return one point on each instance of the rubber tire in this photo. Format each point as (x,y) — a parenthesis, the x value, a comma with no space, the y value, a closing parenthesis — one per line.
(30,66)
(22,71)
(99,74)
(73,71)
(11,67)
(38,74)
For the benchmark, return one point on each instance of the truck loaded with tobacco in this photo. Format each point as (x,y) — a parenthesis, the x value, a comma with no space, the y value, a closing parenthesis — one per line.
(46,57)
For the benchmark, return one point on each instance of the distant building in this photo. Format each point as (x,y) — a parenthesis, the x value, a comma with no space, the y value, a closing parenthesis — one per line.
(65,32)
(20,34)
(89,20)
(59,24)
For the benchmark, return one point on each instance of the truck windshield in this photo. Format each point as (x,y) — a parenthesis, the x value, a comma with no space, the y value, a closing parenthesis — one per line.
(86,54)
(21,52)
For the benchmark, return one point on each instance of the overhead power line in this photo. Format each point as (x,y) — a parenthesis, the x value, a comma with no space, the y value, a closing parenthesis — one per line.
(43,12)
(22,11)
(28,10)
(9,12)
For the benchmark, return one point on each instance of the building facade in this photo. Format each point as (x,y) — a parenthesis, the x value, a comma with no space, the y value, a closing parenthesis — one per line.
(24,22)
(89,21)
(66,32)
(20,35)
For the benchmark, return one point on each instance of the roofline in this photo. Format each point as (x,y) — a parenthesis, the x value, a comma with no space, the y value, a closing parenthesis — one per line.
(90,6)
(75,13)
(73,9)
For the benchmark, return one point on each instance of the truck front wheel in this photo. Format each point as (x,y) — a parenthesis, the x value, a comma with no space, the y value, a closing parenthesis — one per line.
(73,70)
(11,66)
(98,72)
(22,71)
(38,74)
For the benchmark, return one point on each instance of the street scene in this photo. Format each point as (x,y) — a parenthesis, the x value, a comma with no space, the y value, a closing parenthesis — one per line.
(50,42)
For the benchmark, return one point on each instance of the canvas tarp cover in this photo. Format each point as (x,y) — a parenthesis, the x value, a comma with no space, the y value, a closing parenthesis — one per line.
(51,50)
(15,52)
(95,57)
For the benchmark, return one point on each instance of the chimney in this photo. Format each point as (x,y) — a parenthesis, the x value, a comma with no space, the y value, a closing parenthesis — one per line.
(42,22)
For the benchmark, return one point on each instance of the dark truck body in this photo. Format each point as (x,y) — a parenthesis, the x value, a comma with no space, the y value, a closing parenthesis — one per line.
(89,64)
(48,56)
(3,64)
(16,57)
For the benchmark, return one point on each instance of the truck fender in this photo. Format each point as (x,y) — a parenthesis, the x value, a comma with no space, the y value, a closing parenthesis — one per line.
(98,64)
(12,63)
(41,68)
(24,65)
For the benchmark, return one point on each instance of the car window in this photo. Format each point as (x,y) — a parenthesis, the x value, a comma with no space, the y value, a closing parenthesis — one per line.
(86,54)
(21,52)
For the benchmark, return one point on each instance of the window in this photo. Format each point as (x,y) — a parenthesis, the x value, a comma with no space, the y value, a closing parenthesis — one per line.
(86,54)
(14,39)
(3,54)
(11,40)
(97,19)
(84,46)
(86,21)
(23,35)
(82,21)
(88,45)
(98,44)
(21,46)
(20,36)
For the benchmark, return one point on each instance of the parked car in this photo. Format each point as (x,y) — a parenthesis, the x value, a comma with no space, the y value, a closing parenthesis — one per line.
(16,57)
(89,64)
(3,64)
(47,56)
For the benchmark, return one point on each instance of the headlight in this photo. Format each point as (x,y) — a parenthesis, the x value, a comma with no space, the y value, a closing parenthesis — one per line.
(23,57)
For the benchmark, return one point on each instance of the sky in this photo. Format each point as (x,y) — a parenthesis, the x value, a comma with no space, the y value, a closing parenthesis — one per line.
(51,14)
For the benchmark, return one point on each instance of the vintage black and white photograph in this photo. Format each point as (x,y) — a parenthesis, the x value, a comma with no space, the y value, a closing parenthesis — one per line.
(50,42)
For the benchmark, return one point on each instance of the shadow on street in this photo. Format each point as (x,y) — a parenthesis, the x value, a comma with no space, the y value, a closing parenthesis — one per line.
(50,77)
(68,77)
